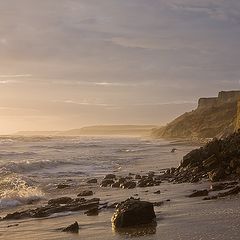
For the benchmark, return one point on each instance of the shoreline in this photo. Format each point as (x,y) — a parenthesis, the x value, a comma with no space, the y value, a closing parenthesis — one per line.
(174,207)
(171,196)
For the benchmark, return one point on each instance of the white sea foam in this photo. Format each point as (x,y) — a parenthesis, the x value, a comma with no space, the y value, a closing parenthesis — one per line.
(16,191)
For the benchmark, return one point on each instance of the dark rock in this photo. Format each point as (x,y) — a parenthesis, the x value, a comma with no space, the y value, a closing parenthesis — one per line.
(73,228)
(148,182)
(199,193)
(85,193)
(157,192)
(222,186)
(62,186)
(235,190)
(116,185)
(13,225)
(128,185)
(158,204)
(93,180)
(210,198)
(133,212)
(16,215)
(106,182)
(122,180)
(110,176)
(211,163)
(232,191)
(218,160)
(92,212)
(151,174)
(61,200)
(216,174)
(138,176)
(45,211)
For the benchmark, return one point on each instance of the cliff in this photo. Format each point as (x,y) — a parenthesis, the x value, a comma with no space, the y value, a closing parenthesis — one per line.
(214,117)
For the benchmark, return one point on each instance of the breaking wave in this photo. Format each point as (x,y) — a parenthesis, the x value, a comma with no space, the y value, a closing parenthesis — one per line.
(16,191)
(28,166)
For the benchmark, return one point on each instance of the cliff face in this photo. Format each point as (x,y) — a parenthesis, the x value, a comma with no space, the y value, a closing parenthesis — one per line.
(214,117)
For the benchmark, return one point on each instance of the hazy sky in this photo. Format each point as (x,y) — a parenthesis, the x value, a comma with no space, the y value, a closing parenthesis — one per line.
(69,63)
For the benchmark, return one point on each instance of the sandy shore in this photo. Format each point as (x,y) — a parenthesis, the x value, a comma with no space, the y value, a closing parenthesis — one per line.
(179,218)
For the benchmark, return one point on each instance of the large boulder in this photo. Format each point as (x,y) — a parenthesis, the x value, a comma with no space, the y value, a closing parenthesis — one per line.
(133,212)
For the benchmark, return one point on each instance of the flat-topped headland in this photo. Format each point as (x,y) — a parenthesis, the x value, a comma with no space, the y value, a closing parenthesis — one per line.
(214,117)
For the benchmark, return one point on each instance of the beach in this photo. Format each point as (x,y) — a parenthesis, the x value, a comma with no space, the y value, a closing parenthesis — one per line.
(37,169)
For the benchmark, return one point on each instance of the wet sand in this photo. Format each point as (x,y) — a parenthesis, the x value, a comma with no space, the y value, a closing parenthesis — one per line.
(180,218)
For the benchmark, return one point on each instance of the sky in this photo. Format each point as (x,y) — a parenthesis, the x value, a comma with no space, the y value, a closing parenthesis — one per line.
(70,63)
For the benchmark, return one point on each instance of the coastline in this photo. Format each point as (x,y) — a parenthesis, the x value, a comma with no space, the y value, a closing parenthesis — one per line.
(177,214)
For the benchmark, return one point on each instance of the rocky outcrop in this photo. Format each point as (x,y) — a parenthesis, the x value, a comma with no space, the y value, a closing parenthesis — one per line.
(58,205)
(217,160)
(207,102)
(214,117)
(129,182)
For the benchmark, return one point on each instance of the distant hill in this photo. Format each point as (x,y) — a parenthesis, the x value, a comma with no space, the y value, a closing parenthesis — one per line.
(214,117)
(112,130)
(137,130)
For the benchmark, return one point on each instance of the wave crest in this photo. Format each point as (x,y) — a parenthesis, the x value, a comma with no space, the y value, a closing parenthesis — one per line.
(15,191)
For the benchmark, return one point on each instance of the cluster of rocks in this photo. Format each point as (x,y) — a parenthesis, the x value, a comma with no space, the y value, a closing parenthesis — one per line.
(58,205)
(218,160)
(133,180)
(223,189)
(129,213)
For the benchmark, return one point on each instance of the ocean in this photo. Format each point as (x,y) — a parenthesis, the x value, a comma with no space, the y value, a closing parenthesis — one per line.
(31,167)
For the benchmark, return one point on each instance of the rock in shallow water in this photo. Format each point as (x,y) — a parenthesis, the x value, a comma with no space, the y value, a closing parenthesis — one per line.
(85,193)
(73,228)
(199,193)
(77,204)
(93,180)
(106,182)
(61,200)
(133,212)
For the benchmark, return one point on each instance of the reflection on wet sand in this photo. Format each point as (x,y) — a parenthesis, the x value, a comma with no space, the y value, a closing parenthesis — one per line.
(142,230)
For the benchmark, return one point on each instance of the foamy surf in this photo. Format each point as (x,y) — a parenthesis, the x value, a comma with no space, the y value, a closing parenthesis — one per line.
(15,191)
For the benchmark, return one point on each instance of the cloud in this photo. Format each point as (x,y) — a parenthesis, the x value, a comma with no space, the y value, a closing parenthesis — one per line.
(137,43)
(84,103)
(219,10)
(15,75)
(101,84)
